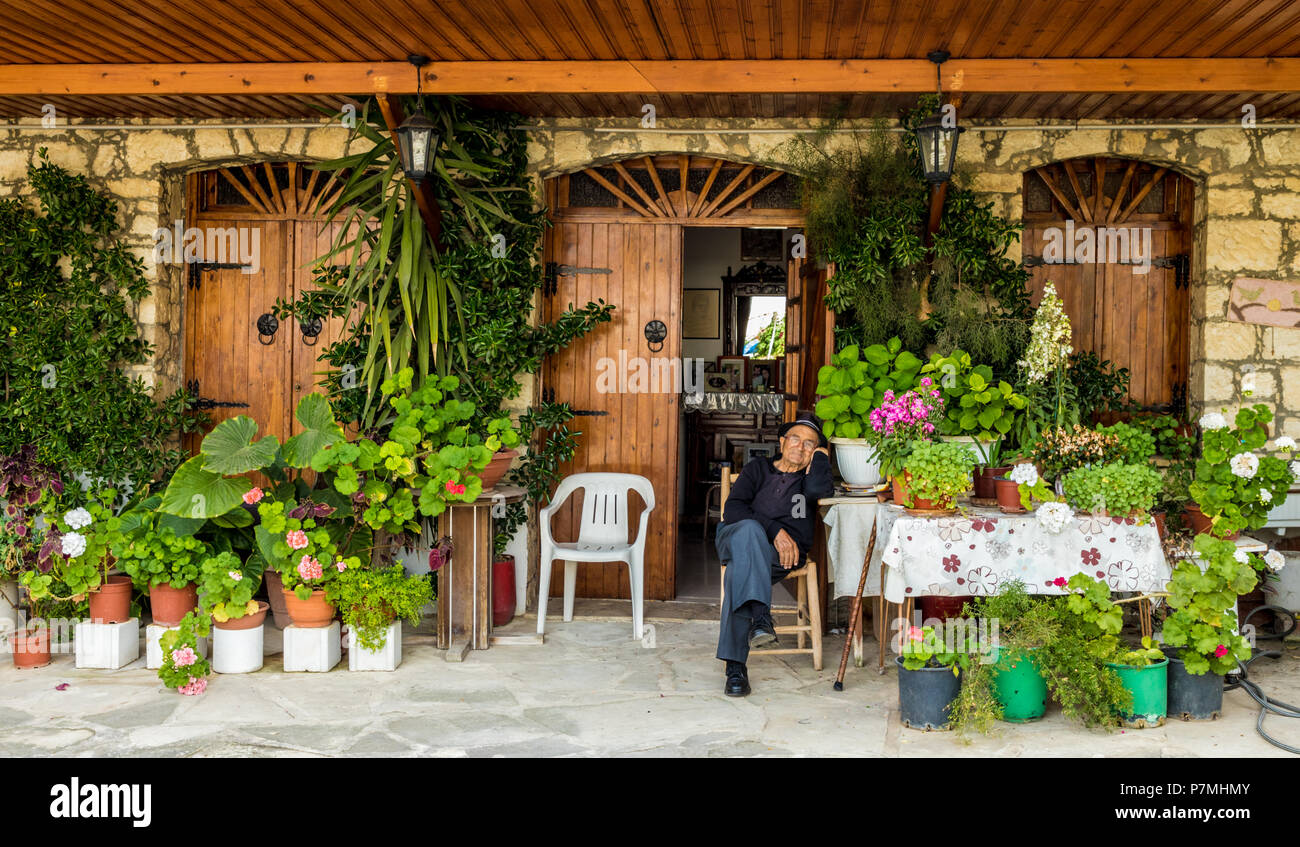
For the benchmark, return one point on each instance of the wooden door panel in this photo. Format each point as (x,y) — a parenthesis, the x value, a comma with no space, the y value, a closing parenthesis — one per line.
(313,239)
(638,433)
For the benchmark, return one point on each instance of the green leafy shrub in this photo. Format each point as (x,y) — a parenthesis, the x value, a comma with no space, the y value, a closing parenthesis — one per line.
(155,555)
(1115,489)
(1172,442)
(1203,595)
(228,586)
(66,337)
(939,471)
(1133,445)
(1059,450)
(1235,486)
(77,546)
(370,600)
(975,404)
(855,382)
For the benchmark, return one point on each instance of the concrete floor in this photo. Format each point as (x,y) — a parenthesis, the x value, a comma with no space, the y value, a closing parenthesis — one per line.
(589,691)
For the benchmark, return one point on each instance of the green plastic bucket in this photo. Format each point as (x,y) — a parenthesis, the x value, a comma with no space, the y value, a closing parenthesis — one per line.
(1019,686)
(1150,689)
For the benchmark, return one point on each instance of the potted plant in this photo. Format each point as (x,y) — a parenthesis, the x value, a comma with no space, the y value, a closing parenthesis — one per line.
(1141,670)
(1058,450)
(929,676)
(1200,630)
(979,410)
(1236,486)
(1117,490)
(1021,487)
(936,472)
(854,383)
(1011,687)
(184,668)
(227,592)
(372,603)
(76,555)
(501,438)
(899,424)
(303,552)
(165,566)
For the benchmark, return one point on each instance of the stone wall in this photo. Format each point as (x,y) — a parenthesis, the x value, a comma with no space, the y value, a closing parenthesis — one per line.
(1246,220)
(145,169)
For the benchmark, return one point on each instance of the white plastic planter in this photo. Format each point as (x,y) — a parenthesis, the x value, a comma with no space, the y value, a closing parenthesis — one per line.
(237,650)
(11,619)
(314,649)
(107,645)
(153,656)
(857,461)
(385,659)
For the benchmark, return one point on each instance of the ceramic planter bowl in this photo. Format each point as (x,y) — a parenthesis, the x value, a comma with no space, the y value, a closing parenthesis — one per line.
(857,461)
(496,469)
(311,613)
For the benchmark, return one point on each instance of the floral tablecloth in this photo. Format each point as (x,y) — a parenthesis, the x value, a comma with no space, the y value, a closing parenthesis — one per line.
(977,552)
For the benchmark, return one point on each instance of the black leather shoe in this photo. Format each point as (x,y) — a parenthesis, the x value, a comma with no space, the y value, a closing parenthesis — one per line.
(737,684)
(762,633)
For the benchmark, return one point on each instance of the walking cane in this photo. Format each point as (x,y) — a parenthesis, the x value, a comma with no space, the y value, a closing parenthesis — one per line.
(855,616)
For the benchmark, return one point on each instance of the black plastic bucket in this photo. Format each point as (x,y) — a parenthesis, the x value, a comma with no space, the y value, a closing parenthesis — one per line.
(925,696)
(1193,697)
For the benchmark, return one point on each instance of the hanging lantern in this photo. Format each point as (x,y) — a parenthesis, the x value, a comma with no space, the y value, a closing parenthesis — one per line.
(936,137)
(417,137)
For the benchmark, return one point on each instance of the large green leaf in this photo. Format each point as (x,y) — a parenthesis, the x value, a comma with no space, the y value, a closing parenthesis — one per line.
(181,526)
(230,449)
(195,492)
(319,430)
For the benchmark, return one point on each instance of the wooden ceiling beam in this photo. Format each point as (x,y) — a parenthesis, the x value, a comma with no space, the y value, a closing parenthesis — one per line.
(780,76)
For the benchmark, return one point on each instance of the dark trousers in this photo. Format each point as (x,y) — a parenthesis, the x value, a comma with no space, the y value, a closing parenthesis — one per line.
(753,567)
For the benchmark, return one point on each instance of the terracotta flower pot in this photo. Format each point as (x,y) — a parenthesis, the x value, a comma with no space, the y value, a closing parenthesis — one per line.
(497,468)
(31,648)
(984,476)
(171,605)
(111,602)
(247,621)
(1159,518)
(1202,524)
(918,504)
(312,613)
(1008,494)
(275,594)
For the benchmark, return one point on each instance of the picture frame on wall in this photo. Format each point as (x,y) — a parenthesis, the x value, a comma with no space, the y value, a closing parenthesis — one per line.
(733,369)
(761,376)
(702,313)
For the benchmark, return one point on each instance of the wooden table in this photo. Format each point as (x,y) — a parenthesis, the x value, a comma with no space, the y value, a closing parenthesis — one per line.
(465,582)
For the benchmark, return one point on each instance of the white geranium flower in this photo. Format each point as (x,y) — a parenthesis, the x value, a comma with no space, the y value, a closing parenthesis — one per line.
(1286,442)
(1265,496)
(74,544)
(1275,560)
(1213,420)
(1054,516)
(1241,556)
(1025,475)
(1244,465)
(78,518)
(235,575)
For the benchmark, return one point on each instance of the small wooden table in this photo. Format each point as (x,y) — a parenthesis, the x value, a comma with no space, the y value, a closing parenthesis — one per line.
(465,582)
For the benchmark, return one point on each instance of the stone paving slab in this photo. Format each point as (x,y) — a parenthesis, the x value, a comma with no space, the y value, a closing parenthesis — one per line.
(590,690)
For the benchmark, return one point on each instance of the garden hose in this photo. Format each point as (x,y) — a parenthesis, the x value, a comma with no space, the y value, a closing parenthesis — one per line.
(1243,681)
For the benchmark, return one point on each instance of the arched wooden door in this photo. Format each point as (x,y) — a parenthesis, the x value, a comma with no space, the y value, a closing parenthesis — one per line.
(1115,237)
(617,236)
(229,360)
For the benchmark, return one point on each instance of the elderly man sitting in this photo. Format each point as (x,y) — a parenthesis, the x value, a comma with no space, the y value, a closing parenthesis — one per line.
(767,530)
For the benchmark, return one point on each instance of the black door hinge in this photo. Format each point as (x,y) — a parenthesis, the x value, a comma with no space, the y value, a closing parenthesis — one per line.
(553,272)
(192,386)
(195,269)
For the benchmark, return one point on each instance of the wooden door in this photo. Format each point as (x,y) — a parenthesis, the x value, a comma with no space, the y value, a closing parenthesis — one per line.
(226,359)
(1133,310)
(637,432)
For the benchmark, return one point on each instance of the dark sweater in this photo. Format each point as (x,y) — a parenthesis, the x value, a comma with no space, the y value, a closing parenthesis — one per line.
(764,494)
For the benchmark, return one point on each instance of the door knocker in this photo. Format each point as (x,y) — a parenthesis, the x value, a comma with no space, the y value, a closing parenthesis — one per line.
(267,324)
(655,333)
(310,331)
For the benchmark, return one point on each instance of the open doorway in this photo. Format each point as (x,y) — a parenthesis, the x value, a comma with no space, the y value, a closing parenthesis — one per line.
(734,285)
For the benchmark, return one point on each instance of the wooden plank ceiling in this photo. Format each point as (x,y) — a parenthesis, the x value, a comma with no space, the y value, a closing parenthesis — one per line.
(72,32)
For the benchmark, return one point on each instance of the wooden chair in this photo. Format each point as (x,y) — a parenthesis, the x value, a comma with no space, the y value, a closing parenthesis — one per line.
(808,614)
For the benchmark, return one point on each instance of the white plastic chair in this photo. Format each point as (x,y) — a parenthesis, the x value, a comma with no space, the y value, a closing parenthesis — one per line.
(602,537)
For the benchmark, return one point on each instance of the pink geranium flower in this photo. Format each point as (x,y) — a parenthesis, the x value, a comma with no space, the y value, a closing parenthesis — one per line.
(309,569)
(1220,651)
(194,686)
(296,539)
(915,633)
(455,487)
(1060,582)
(341,565)
(254,496)
(184,657)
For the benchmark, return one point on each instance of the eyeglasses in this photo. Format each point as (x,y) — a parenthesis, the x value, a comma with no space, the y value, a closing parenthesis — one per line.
(792,441)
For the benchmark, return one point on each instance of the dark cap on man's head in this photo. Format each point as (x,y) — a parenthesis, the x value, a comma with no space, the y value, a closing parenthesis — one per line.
(805,420)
